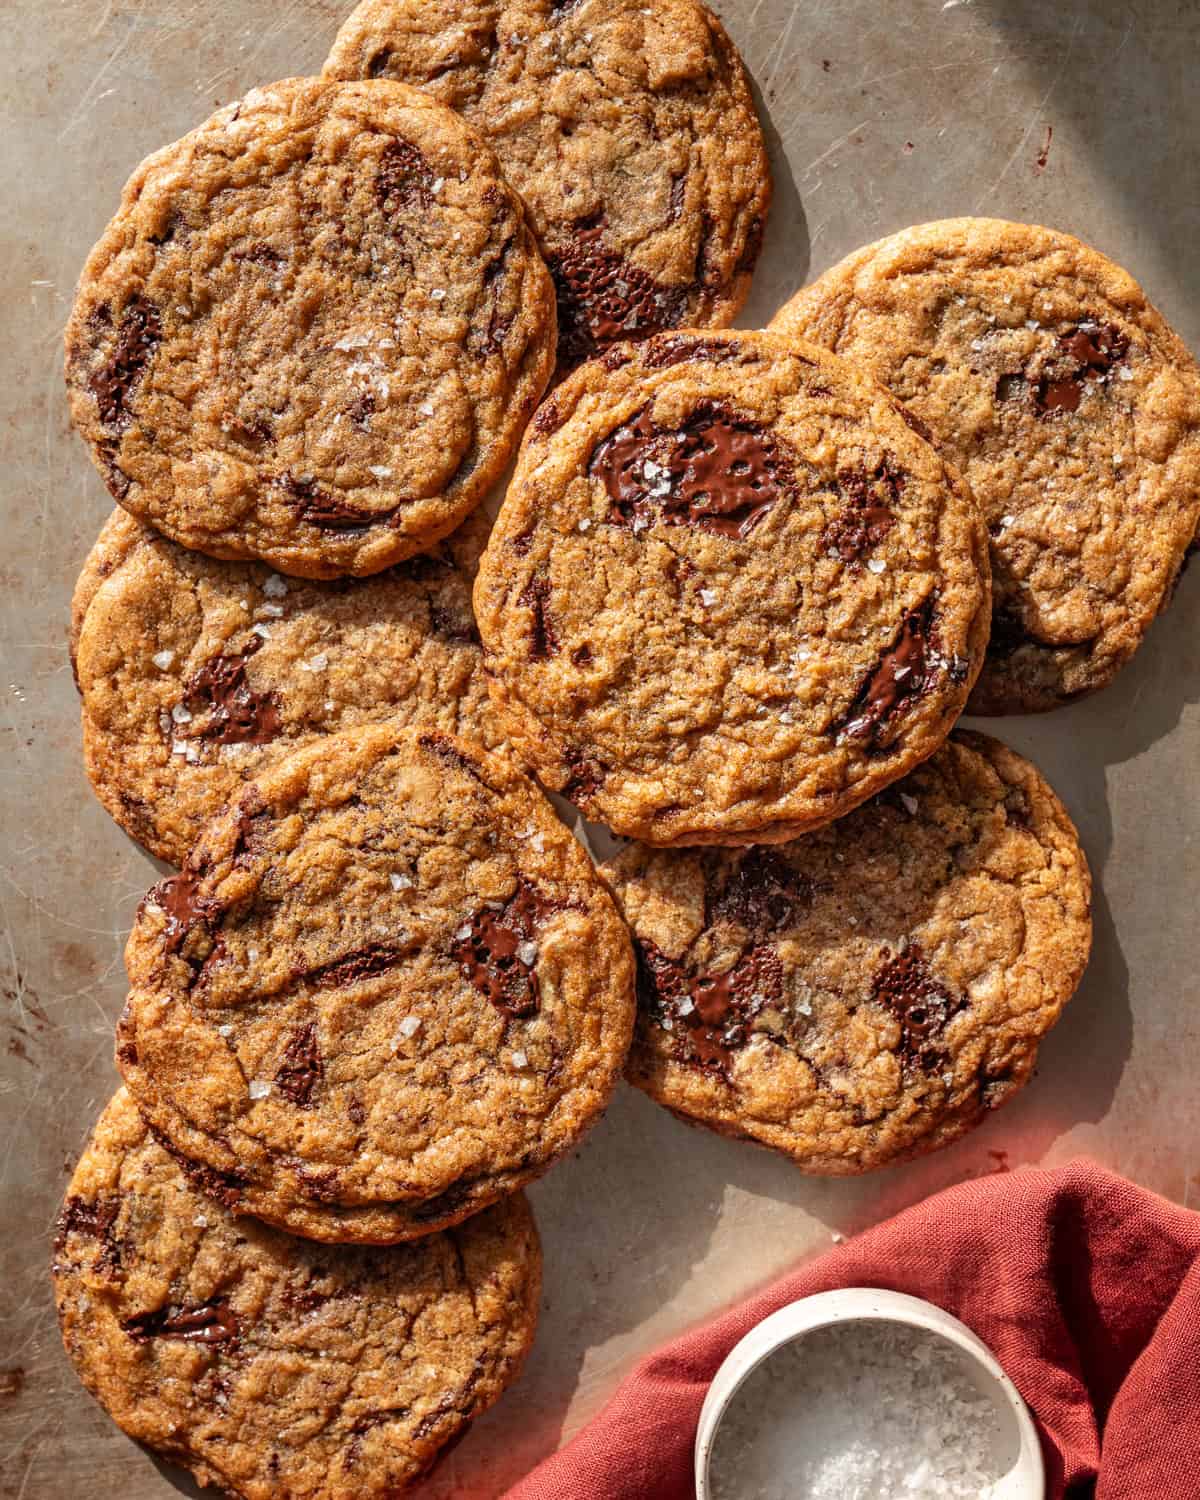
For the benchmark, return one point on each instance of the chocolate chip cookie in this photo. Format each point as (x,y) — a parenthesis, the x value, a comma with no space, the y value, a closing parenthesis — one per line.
(870,992)
(313,332)
(629,130)
(272,1367)
(387,988)
(197,674)
(1070,406)
(731,593)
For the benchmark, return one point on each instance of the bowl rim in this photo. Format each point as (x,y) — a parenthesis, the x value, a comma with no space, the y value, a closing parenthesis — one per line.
(1026,1480)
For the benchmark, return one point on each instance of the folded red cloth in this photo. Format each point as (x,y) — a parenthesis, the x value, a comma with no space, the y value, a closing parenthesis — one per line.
(1085,1286)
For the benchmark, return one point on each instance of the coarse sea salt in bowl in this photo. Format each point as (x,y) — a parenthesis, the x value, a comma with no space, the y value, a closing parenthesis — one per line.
(865,1395)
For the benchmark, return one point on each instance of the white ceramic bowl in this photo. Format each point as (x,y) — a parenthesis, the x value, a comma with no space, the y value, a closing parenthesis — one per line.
(1024,1476)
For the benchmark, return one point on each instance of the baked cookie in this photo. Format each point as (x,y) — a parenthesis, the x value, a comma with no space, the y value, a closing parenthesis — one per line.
(198,674)
(730,593)
(268,1366)
(629,130)
(314,331)
(1071,408)
(388,988)
(869,992)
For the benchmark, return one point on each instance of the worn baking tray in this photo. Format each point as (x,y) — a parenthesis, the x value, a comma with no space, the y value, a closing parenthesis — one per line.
(1082,115)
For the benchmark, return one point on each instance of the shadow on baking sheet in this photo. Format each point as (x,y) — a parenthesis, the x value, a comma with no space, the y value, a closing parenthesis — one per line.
(787,253)
(1120,75)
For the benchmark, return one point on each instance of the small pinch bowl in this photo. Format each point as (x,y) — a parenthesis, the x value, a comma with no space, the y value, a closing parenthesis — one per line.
(1019,1452)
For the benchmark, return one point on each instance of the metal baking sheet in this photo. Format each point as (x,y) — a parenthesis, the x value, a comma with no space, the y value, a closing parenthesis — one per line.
(1083,115)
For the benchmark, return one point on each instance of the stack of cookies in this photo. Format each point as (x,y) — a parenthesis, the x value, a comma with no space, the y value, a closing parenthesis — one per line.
(740,588)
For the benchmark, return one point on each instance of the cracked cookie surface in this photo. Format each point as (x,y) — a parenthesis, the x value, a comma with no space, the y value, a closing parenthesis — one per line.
(628,129)
(269,1366)
(387,988)
(197,674)
(869,992)
(1073,410)
(730,593)
(314,330)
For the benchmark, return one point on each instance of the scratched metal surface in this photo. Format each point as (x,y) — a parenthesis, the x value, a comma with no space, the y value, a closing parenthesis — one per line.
(879,115)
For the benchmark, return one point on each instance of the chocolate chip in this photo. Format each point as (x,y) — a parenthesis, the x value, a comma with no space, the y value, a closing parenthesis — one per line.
(667,350)
(324,510)
(906,987)
(906,671)
(707,1016)
(353,968)
(185,908)
(403,178)
(235,713)
(114,385)
(867,513)
(93,1220)
(603,297)
(490,954)
(719,471)
(762,893)
(543,642)
(211,1323)
(1088,353)
(302,1067)
(252,840)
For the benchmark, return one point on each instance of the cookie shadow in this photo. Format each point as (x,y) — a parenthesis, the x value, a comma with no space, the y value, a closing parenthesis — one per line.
(787,251)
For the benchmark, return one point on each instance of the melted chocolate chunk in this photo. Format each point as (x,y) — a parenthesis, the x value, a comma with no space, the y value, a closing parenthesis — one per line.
(498,324)
(224,1187)
(403,178)
(867,514)
(666,351)
(184,906)
(708,1016)
(906,671)
(762,893)
(212,1323)
(906,987)
(352,968)
(543,642)
(1088,352)
(603,297)
(95,1222)
(324,510)
(457,1403)
(719,471)
(235,713)
(302,1067)
(490,954)
(115,383)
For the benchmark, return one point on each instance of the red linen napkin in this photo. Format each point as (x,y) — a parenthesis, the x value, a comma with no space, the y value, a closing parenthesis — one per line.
(1085,1286)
